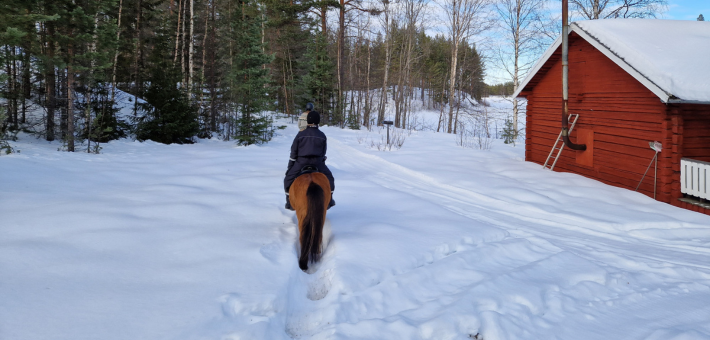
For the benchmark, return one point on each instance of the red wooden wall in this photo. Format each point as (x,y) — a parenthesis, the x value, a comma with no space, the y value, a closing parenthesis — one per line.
(696,131)
(689,126)
(618,117)
(620,112)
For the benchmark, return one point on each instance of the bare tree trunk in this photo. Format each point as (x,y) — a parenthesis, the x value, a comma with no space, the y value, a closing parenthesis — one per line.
(292,78)
(182,49)
(50,82)
(89,83)
(231,65)
(70,101)
(63,94)
(213,95)
(521,19)
(137,59)
(202,70)
(358,72)
(368,99)
(463,23)
(177,31)
(398,92)
(323,17)
(452,82)
(12,87)
(461,89)
(441,109)
(115,55)
(421,83)
(8,71)
(190,49)
(26,81)
(515,87)
(341,58)
(388,57)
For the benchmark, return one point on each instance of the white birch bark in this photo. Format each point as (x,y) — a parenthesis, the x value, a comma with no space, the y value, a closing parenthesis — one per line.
(115,55)
(464,20)
(191,48)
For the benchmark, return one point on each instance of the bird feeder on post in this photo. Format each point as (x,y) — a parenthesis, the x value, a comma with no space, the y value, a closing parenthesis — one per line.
(388,123)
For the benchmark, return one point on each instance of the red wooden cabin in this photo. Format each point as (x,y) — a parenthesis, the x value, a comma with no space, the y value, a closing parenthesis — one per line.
(631,81)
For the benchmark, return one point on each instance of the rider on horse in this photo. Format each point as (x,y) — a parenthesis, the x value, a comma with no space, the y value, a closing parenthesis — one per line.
(303,118)
(308,148)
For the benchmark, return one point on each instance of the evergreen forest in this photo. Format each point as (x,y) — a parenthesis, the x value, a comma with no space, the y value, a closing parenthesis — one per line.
(223,68)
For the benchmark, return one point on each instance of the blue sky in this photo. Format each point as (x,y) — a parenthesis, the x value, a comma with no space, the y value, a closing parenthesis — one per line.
(687,9)
(676,10)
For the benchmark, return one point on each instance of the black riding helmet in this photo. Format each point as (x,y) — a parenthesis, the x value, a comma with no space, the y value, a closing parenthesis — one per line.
(309,107)
(313,118)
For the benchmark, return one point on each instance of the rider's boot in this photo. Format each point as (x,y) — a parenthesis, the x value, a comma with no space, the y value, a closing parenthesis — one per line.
(288,203)
(332,201)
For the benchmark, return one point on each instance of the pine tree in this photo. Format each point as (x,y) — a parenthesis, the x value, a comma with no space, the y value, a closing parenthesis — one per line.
(168,116)
(5,147)
(287,38)
(510,135)
(18,37)
(250,77)
(320,87)
(701,18)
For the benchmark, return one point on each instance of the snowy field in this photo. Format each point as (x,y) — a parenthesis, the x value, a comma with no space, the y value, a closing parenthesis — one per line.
(429,241)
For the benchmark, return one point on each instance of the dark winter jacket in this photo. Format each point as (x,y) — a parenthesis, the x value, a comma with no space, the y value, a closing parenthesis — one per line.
(310,143)
(308,148)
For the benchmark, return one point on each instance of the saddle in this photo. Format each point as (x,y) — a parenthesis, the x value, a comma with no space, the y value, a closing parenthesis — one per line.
(308,169)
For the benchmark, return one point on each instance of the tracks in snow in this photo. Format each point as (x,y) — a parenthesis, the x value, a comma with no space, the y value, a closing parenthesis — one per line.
(468,284)
(566,231)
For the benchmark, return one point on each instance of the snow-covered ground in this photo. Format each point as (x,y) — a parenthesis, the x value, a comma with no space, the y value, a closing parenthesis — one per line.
(474,119)
(430,241)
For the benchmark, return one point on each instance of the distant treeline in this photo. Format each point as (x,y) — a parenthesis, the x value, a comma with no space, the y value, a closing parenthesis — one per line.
(211,68)
(504,89)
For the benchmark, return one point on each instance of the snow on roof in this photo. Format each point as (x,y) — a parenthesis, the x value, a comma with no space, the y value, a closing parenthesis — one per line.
(670,57)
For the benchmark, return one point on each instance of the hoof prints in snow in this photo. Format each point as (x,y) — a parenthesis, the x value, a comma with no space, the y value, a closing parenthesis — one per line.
(174,228)
(256,307)
(318,289)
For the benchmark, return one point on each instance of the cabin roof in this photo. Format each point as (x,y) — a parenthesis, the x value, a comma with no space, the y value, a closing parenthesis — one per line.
(670,57)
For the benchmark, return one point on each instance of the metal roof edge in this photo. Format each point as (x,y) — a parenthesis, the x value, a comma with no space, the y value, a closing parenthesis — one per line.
(533,71)
(685,101)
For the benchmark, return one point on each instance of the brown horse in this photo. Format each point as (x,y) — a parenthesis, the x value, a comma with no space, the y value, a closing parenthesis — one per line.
(309,195)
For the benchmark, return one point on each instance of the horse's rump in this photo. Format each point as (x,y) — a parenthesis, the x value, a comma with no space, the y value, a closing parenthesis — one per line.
(310,195)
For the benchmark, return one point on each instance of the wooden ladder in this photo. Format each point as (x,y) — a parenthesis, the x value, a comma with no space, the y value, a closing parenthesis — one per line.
(573,118)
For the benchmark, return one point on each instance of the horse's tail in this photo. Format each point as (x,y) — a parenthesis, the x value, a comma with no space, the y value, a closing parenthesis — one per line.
(312,226)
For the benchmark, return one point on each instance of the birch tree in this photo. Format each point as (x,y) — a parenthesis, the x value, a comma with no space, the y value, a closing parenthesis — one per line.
(413,13)
(465,19)
(190,49)
(522,41)
(345,7)
(115,56)
(388,59)
(607,9)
